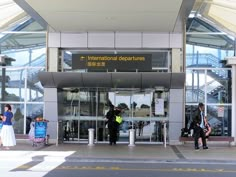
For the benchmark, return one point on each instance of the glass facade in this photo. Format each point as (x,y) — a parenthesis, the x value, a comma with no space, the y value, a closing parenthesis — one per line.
(24,53)
(208,80)
(219,12)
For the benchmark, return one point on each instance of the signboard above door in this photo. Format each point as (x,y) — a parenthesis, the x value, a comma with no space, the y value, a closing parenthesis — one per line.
(125,62)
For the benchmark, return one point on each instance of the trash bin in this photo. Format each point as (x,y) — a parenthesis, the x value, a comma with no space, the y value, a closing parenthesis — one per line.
(91,137)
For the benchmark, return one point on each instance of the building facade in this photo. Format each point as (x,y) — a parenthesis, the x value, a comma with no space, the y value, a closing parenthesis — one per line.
(156,78)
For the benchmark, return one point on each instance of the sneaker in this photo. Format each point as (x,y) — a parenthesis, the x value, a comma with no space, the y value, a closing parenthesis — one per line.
(197,148)
(205,147)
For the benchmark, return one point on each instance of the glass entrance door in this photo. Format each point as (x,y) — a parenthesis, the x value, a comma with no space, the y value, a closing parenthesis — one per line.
(136,111)
(141,111)
(81,109)
(87,112)
(122,99)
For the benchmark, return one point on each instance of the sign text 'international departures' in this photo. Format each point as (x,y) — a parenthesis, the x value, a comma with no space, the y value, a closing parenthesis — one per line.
(142,62)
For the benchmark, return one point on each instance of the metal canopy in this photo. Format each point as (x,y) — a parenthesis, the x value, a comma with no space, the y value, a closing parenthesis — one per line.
(112,80)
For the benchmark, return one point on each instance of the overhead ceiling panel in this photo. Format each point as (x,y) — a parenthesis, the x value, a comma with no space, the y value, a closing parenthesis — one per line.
(10,13)
(103,15)
(120,22)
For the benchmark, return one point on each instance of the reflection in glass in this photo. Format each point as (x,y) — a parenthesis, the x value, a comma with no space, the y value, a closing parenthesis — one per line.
(87,101)
(189,114)
(207,50)
(33,111)
(212,84)
(34,87)
(141,105)
(219,118)
(218,86)
(18,117)
(122,100)
(18,110)
(195,86)
(157,131)
(12,84)
(81,109)
(29,51)
(160,97)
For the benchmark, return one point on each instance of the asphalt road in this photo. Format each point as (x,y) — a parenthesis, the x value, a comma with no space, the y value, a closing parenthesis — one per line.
(61,168)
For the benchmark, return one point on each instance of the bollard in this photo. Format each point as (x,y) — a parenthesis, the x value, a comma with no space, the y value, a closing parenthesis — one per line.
(131,137)
(91,137)
(47,140)
(165,134)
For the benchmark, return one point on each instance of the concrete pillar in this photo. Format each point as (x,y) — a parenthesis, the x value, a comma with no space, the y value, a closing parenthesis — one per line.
(51,112)
(177,60)
(233,121)
(53,59)
(53,45)
(232,62)
(176,117)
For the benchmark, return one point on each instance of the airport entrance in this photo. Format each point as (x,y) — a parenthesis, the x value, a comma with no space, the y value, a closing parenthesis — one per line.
(143,110)
(138,82)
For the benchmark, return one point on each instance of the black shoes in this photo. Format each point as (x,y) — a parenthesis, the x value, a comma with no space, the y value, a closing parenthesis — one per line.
(112,143)
(205,148)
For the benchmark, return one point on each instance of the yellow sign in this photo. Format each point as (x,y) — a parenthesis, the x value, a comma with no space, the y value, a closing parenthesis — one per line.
(112,61)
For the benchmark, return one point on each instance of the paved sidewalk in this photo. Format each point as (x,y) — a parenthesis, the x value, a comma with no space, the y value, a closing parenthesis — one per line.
(122,152)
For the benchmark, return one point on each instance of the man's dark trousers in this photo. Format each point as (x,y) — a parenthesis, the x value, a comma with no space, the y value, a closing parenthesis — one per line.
(198,132)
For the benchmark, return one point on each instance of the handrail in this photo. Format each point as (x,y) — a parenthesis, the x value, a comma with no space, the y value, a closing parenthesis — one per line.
(202,59)
(101,118)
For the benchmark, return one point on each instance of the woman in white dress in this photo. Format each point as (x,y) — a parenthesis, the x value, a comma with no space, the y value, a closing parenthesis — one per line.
(7,133)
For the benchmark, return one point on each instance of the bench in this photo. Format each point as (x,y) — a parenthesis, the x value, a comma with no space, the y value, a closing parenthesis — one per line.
(211,138)
(21,136)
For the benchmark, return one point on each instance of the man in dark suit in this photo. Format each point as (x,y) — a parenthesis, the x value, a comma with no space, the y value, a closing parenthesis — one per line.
(199,126)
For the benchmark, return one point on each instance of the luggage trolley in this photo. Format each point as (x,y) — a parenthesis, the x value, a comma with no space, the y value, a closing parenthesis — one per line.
(38,133)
